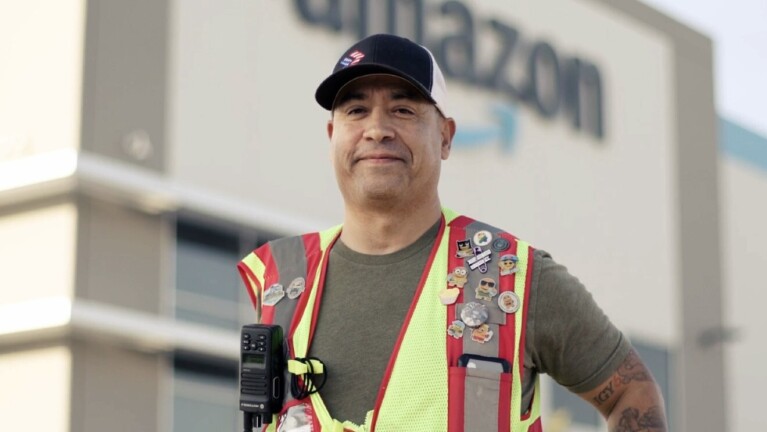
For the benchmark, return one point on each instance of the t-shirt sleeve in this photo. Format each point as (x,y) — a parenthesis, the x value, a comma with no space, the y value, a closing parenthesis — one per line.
(570,337)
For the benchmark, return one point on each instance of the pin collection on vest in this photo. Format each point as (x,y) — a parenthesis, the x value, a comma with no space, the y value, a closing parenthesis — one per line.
(475,314)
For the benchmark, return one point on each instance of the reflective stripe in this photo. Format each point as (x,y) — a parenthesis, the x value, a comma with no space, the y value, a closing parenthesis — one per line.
(524,270)
(305,325)
(532,421)
(251,270)
(401,408)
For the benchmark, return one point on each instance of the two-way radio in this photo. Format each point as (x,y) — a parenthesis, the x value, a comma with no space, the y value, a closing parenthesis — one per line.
(262,365)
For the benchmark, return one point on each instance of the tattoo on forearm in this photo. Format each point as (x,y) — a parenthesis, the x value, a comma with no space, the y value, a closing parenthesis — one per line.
(650,421)
(632,369)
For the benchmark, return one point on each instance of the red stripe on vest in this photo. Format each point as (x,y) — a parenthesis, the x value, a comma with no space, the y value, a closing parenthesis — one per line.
(537,426)
(507,332)
(313,256)
(530,259)
(456,381)
(454,346)
(271,276)
(405,324)
(456,385)
(323,262)
(456,375)
(253,285)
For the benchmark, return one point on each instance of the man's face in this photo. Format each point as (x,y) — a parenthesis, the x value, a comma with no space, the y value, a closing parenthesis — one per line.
(387,142)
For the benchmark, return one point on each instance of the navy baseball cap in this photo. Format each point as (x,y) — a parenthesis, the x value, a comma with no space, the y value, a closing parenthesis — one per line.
(391,55)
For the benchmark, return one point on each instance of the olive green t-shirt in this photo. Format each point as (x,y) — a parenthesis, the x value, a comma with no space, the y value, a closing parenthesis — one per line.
(366,299)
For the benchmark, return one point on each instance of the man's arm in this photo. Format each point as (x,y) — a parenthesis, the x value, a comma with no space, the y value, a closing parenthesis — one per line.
(630,399)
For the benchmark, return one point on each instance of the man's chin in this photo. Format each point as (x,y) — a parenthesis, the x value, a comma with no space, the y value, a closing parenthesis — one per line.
(383,194)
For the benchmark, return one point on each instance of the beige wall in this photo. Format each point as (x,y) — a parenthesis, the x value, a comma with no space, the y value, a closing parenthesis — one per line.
(38,253)
(41,44)
(744,210)
(36,389)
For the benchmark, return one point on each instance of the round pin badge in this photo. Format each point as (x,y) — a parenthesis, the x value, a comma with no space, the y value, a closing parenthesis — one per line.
(508,301)
(483,238)
(474,314)
(500,244)
(273,294)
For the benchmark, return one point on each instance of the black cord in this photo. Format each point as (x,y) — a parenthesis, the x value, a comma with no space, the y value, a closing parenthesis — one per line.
(247,421)
(301,386)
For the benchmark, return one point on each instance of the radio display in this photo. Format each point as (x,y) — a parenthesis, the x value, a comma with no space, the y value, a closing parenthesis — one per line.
(253,358)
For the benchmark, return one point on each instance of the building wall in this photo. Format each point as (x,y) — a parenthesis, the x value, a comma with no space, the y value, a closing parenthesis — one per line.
(744,210)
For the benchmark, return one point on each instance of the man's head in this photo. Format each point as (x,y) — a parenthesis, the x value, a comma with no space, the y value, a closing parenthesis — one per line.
(388,130)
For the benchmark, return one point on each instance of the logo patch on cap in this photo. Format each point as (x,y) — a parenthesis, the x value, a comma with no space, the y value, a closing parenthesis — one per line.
(352,59)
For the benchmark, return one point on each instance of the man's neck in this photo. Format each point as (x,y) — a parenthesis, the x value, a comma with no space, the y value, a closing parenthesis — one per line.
(379,232)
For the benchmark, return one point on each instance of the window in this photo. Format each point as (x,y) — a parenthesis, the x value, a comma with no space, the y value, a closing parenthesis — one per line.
(205,397)
(209,292)
(208,288)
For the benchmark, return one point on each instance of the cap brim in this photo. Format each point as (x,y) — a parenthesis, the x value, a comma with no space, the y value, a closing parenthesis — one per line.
(328,90)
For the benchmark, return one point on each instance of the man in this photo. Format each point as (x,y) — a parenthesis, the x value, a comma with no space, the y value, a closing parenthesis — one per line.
(426,319)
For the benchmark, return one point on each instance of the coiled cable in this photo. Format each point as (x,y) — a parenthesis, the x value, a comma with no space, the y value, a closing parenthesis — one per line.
(304,385)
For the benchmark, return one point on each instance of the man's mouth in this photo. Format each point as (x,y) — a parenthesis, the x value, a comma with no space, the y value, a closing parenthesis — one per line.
(380,158)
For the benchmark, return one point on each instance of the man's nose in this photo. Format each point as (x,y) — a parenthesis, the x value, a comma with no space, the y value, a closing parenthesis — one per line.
(379,127)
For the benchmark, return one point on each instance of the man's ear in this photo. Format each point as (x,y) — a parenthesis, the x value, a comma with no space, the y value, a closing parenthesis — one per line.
(448,132)
(330,129)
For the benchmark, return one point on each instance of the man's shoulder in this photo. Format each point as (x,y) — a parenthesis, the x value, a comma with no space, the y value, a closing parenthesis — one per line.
(473,224)
(301,242)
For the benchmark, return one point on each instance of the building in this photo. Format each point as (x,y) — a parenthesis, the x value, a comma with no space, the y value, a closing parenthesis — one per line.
(146,146)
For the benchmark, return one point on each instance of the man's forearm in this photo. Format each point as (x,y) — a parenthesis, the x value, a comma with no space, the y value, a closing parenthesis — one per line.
(630,400)
(640,408)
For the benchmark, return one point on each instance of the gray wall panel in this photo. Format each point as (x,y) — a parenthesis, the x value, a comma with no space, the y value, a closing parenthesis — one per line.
(122,255)
(115,389)
(701,365)
(124,80)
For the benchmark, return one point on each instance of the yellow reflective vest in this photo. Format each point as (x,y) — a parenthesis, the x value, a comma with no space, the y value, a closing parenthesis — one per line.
(427,386)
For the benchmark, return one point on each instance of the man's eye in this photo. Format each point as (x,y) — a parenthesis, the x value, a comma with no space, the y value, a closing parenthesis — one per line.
(355,110)
(405,111)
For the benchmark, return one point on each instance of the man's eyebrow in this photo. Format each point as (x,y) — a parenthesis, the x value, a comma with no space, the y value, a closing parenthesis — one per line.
(396,93)
(406,93)
(349,96)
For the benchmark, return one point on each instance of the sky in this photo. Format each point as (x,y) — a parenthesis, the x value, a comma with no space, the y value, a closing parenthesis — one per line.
(738,29)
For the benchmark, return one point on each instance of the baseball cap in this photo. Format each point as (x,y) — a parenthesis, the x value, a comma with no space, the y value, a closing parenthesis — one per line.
(391,55)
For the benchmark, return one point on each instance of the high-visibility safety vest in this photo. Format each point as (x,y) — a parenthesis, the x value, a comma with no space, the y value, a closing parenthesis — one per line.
(424,387)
